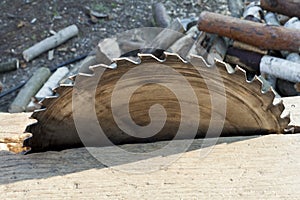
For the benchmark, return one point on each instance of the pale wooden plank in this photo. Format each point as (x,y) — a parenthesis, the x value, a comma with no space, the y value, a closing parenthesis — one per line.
(12,127)
(240,167)
(246,168)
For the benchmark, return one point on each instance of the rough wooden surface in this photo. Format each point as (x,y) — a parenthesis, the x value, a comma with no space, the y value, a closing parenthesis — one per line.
(256,34)
(264,167)
(287,7)
(241,167)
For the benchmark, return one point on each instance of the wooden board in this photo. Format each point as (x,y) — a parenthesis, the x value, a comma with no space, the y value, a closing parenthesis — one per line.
(242,167)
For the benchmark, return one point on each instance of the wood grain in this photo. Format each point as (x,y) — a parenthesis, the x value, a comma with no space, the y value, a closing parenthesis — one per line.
(238,167)
(264,167)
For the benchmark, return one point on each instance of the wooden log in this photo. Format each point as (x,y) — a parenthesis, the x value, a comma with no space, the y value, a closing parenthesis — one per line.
(286,88)
(293,23)
(246,59)
(294,57)
(236,8)
(160,16)
(184,44)
(127,46)
(50,42)
(271,19)
(248,47)
(47,89)
(9,65)
(256,34)
(217,50)
(280,68)
(29,90)
(165,39)
(286,7)
(197,48)
(282,18)
(107,50)
(82,67)
(253,13)
(297,86)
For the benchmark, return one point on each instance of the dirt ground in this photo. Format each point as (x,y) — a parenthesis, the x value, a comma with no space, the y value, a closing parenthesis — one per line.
(26,22)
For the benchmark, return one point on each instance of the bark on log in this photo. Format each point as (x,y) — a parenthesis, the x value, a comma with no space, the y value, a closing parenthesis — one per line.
(47,89)
(29,90)
(248,47)
(160,16)
(246,59)
(292,23)
(281,68)
(9,65)
(288,88)
(256,34)
(271,20)
(253,13)
(236,8)
(50,42)
(286,7)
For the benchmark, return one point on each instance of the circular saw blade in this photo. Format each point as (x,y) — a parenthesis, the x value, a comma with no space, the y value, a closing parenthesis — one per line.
(248,110)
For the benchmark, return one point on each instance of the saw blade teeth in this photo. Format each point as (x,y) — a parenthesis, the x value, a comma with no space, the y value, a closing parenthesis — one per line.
(94,68)
(134,60)
(30,127)
(60,89)
(27,143)
(277,110)
(198,61)
(174,56)
(47,100)
(37,113)
(227,66)
(144,57)
(250,76)
(72,78)
(240,72)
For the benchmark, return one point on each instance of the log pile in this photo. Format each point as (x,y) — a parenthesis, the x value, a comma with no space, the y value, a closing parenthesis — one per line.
(260,42)
(255,38)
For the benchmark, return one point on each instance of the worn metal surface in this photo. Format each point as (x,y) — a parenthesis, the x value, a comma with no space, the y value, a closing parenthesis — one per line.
(248,111)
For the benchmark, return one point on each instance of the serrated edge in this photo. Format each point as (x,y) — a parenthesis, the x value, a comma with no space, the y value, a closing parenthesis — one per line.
(279,107)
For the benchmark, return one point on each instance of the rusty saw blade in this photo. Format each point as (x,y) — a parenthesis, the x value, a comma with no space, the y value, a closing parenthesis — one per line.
(248,110)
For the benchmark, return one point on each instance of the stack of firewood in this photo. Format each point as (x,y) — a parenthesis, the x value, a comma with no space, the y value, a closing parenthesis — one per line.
(264,39)
(261,37)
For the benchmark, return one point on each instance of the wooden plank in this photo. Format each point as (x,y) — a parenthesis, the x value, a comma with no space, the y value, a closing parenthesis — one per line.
(12,127)
(262,167)
(240,167)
